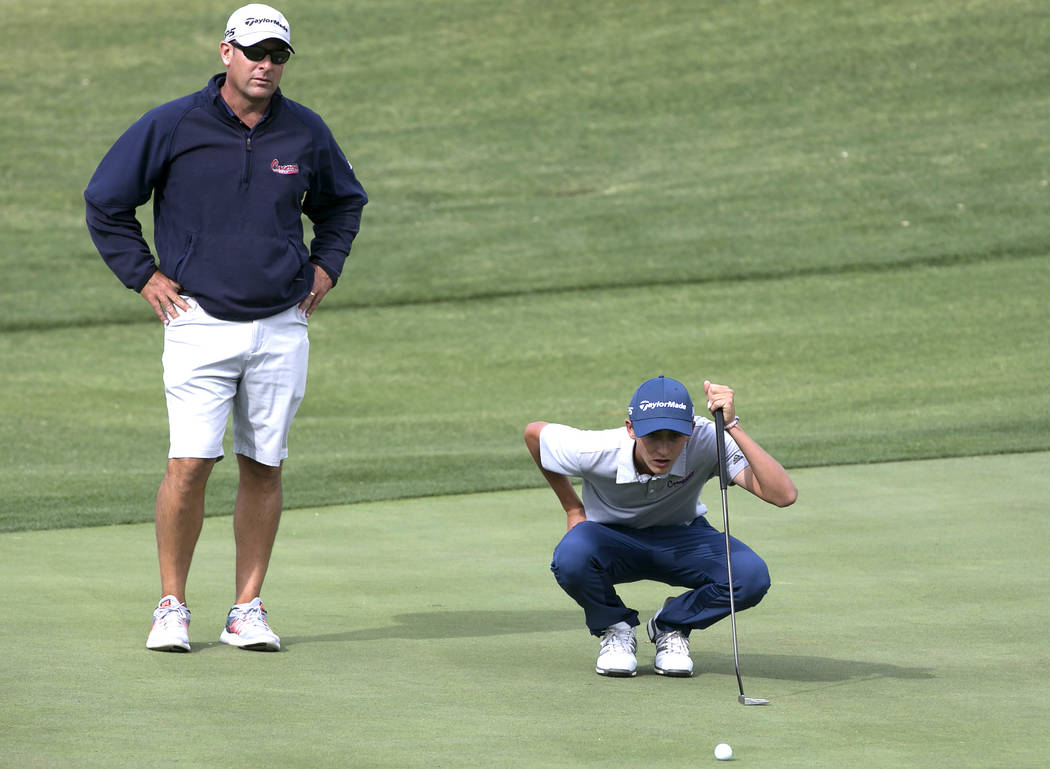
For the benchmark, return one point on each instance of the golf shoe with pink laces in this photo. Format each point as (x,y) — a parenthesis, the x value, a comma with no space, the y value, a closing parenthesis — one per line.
(246,628)
(171,626)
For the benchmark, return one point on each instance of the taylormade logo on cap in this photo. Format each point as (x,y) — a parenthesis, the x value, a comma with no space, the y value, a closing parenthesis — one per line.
(256,22)
(661,404)
(646,405)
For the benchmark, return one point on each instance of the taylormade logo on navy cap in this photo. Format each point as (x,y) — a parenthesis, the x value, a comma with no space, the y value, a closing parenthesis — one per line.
(661,404)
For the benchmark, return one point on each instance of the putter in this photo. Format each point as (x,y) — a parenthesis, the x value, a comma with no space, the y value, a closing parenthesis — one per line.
(723,481)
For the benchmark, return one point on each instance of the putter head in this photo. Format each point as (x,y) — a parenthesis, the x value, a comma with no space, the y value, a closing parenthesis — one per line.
(752,701)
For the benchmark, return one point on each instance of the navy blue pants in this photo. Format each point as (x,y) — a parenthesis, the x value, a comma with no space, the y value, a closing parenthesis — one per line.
(592,558)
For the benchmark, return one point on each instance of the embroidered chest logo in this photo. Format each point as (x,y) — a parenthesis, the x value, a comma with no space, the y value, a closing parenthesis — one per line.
(674,484)
(277,168)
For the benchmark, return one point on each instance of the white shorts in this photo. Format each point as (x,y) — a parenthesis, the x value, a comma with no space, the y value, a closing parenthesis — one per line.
(257,368)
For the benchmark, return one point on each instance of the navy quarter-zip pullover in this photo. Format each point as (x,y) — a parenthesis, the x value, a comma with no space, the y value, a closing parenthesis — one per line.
(227,203)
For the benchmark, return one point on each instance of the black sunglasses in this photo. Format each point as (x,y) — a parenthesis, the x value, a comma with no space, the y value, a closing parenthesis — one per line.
(258,53)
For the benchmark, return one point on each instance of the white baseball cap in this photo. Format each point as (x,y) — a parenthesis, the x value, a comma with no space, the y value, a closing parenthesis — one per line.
(256,22)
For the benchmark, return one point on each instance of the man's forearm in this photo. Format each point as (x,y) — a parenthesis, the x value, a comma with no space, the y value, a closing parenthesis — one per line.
(764,477)
(118,238)
(560,484)
(565,492)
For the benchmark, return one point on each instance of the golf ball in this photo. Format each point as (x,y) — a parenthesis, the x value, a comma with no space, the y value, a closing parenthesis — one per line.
(723,752)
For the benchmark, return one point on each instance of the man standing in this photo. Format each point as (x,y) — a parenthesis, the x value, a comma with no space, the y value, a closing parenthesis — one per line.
(231,170)
(641,519)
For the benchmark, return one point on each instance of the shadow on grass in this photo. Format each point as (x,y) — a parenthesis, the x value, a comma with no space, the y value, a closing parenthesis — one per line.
(479,624)
(798,667)
(459,624)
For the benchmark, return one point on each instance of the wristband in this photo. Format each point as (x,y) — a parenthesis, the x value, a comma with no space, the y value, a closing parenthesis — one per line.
(731,425)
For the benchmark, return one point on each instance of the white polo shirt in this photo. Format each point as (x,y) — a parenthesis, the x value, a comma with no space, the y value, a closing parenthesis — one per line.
(613,489)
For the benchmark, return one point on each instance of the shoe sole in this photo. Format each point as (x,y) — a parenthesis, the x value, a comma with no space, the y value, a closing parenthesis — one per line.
(673,673)
(173,647)
(616,673)
(233,639)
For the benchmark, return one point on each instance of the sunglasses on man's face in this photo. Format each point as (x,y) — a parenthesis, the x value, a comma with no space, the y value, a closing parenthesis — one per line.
(258,53)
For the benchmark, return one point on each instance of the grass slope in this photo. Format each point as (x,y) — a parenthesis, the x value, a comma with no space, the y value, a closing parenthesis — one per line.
(417,401)
(904,628)
(512,147)
(836,210)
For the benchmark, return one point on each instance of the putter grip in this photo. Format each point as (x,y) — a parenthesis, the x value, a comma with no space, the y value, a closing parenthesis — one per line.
(720,445)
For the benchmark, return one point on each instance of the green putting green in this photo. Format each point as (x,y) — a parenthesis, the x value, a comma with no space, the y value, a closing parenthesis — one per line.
(906,628)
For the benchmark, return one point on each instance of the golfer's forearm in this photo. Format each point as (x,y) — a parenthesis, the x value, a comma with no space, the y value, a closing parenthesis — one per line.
(770,480)
(564,491)
(560,484)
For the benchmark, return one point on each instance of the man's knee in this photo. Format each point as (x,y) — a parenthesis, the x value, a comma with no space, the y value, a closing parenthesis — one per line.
(185,474)
(574,557)
(750,580)
(259,474)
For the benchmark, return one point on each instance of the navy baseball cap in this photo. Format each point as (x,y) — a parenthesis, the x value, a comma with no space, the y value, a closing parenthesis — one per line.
(661,404)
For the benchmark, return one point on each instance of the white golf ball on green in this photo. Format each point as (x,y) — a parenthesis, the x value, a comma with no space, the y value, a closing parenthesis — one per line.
(723,752)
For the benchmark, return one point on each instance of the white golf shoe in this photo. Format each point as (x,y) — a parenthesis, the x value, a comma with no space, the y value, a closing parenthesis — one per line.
(246,628)
(672,650)
(616,655)
(171,626)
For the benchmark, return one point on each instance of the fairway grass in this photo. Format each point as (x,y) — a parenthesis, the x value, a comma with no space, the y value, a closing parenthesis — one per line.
(432,399)
(838,210)
(906,628)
